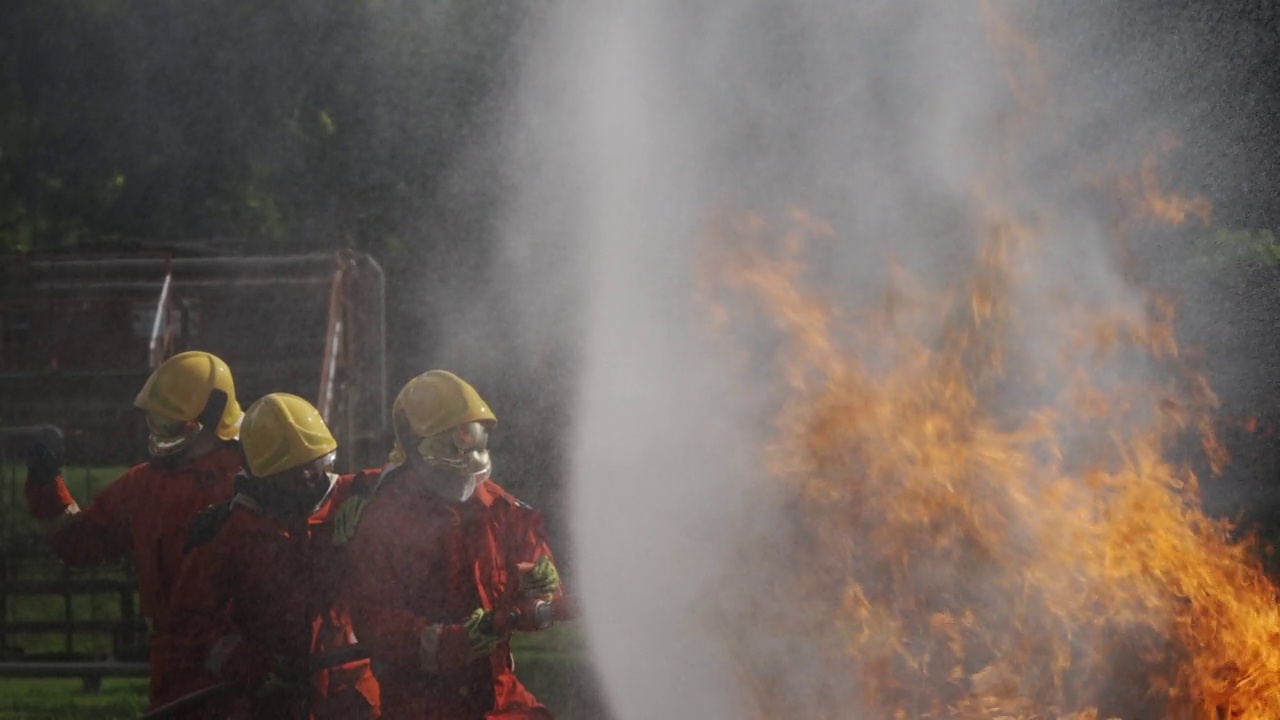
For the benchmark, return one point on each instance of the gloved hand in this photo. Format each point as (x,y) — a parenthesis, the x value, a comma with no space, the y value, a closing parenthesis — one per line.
(481,640)
(445,648)
(44,456)
(538,579)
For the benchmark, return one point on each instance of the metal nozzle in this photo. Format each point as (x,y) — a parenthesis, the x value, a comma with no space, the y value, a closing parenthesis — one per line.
(544,613)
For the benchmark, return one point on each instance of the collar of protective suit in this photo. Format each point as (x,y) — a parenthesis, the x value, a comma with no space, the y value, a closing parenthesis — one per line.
(485,494)
(322,514)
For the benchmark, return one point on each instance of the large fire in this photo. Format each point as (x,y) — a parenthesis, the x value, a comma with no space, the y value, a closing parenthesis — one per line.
(990,490)
(960,551)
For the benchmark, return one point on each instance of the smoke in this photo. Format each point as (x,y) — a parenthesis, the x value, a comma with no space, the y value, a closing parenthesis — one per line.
(635,122)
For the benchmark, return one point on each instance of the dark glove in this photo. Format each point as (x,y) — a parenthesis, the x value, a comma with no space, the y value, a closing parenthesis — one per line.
(286,679)
(44,456)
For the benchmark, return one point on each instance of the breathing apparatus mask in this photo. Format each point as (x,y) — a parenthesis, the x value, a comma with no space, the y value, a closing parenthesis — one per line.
(453,463)
(296,493)
(167,437)
(442,430)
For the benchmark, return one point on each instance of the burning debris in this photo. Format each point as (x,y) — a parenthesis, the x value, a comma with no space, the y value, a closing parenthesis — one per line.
(974,531)
(990,488)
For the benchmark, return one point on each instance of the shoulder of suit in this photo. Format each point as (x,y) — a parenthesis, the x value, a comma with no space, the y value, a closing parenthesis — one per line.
(206,525)
(346,519)
(500,494)
(134,474)
(365,483)
(224,460)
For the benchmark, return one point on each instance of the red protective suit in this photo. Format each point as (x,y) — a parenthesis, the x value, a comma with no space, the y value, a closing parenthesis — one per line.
(424,561)
(255,593)
(143,517)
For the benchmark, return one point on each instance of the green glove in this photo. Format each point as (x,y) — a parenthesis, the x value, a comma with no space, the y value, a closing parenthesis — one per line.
(539,579)
(481,642)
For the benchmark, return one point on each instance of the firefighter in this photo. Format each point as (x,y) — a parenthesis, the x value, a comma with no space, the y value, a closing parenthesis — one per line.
(256,598)
(441,549)
(144,516)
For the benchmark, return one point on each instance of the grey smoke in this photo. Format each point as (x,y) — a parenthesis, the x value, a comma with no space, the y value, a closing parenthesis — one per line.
(633,121)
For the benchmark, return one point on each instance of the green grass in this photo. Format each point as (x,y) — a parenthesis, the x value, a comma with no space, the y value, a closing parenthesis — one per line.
(54,608)
(64,699)
(550,663)
(546,662)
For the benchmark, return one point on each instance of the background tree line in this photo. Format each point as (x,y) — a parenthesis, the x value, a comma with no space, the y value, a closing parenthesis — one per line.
(295,124)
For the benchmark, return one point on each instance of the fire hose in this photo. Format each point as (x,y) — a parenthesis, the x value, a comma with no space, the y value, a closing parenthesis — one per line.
(525,617)
(321,661)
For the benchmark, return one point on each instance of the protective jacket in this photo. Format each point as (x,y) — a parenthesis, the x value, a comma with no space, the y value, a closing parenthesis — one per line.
(143,517)
(257,601)
(426,561)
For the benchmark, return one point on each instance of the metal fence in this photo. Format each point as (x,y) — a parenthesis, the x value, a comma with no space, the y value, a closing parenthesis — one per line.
(80,335)
(56,621)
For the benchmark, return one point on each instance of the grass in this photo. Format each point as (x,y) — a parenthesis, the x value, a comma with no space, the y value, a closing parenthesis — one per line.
(63,699)
(553,664)
(550,663)
(53,608)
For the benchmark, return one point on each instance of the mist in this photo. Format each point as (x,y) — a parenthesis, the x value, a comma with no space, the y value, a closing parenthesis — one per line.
(634,123)
(543,184)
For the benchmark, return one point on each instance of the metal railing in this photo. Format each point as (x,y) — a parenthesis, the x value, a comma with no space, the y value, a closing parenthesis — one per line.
(56,621)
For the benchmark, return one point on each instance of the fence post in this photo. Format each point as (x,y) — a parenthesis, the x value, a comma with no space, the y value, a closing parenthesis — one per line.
(10,492)
(128,617)
(4,600)
(69,633)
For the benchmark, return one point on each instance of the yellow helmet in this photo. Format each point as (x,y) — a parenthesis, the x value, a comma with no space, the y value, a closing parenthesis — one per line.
(281,432)
(190,387)
(432,403)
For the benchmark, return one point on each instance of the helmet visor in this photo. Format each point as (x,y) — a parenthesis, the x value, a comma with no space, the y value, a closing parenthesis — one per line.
(463,449)
(167,436)
(296,492)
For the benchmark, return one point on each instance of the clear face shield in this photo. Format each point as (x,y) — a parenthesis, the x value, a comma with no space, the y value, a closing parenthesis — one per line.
(169,437)
(315,482)
(458,460)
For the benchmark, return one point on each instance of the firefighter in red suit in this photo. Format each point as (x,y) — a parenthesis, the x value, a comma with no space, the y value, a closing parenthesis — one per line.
(144,516)
(257,596)
(441,548)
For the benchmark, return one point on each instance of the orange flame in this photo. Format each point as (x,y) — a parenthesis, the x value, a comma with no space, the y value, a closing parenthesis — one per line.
(1168,207)
(963,554)
(1145,198)
(971,528)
